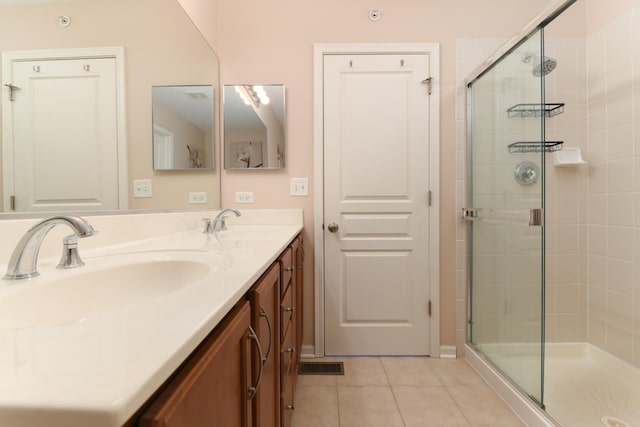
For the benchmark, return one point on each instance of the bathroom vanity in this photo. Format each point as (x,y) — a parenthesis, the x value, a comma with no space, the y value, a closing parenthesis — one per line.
(219,349)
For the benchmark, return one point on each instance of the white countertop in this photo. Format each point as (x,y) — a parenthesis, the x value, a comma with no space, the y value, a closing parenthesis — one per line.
(98,370)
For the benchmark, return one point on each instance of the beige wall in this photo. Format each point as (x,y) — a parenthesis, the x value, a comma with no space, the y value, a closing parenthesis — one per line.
(162,47)
(603,12)
(274,44)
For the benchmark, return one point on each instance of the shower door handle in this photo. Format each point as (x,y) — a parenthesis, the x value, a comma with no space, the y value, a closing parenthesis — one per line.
(534,217)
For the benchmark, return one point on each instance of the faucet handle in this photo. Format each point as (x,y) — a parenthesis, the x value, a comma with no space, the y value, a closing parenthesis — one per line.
(208,227)
(70,256)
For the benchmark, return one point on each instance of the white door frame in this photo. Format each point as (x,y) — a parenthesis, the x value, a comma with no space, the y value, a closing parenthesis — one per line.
(8,58)
(433,50)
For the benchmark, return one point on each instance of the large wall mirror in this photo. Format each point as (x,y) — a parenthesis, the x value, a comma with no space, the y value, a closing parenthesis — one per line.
(154,44)
(254,126)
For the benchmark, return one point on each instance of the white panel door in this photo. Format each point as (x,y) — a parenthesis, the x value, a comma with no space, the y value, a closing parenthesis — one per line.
(376,169)
(65,135)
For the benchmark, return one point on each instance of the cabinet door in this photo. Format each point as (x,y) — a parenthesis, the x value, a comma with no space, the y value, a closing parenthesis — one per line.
(286,269)
(212,388)
(265,318)
(298,254)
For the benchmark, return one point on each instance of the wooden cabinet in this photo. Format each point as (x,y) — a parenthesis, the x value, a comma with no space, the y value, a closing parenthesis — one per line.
(265,319)
(213,388)
(218,384)
(289,325)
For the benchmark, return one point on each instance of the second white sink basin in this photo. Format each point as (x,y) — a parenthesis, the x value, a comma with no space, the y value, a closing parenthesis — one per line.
(74,295)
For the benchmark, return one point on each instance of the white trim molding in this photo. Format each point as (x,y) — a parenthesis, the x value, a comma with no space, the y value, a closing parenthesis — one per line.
(433,50)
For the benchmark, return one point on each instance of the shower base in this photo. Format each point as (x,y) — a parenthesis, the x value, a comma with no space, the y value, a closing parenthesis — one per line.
(587,387)
(584,386)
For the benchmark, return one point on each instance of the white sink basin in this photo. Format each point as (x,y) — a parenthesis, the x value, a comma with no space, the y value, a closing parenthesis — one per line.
(248,232)
(72,295)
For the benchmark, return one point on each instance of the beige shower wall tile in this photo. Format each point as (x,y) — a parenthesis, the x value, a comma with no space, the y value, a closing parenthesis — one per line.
(620,209)
(620,276)
(620,144)
(619,309)
(620,343)
(620,243)
(598,271)
(567,299)
(567,328)
(620,176)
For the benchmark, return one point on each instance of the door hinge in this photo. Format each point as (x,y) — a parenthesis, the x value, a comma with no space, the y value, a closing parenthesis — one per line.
(12,201)
(428,81)
(430,197)
(12,89)
(429,308)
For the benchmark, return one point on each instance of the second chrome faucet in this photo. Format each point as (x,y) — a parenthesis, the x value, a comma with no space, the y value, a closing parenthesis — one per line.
(219,222)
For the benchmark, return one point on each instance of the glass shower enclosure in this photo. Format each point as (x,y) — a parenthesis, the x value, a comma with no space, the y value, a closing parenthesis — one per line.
(506,113)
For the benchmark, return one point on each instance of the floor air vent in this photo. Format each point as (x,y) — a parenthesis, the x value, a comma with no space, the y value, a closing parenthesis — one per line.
(321,368)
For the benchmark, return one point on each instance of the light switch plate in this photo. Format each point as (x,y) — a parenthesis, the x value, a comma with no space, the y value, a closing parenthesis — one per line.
(299,187)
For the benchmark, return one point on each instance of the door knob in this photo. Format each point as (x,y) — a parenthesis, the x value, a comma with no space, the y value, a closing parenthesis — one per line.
(333,227)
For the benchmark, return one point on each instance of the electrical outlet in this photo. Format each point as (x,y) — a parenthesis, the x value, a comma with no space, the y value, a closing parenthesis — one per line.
(244,196)
(299,187)
(142,188)
(198,197)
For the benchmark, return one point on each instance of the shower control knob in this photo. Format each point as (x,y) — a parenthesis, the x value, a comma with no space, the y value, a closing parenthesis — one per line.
(333,227)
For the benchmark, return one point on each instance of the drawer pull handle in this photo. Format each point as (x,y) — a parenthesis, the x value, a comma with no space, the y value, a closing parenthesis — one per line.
(263,313)
(290,309)
(291,350)
(289,269)
(253,390)
(291,407)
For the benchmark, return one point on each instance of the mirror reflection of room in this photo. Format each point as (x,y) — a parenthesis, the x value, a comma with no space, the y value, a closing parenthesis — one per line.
(151,56)
(182,127)
(254,126)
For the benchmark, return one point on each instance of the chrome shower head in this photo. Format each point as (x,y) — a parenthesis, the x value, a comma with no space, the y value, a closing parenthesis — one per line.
(541,65)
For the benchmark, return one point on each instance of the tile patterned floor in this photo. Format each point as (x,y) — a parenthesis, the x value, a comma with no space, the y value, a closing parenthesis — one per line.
(402,392)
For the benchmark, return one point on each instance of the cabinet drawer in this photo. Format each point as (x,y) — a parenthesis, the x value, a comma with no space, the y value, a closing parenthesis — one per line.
(286,269)
(288,351)
(287,311)
(287,405)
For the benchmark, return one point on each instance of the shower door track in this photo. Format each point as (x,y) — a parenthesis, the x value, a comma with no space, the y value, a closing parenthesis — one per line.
(519,401)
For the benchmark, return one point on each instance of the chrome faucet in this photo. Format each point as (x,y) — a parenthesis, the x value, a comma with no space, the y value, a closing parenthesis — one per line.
(219,222)
(23,262)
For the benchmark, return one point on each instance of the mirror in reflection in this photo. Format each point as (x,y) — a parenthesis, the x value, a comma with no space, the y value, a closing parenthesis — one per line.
(254,126)
(152,56)
(183,128)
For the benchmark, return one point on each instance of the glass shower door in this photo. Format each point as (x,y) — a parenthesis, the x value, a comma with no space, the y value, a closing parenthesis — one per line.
(506,197)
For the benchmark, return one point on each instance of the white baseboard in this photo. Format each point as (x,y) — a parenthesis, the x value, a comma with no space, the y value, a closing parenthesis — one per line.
(448,352)
(308,351)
